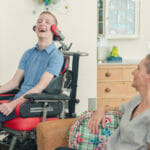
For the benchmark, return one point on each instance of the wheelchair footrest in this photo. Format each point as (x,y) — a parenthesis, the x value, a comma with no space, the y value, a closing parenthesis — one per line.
(4,146)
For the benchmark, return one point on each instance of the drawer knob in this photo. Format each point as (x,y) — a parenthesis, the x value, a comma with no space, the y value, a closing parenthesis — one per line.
(107,74)
(107,90)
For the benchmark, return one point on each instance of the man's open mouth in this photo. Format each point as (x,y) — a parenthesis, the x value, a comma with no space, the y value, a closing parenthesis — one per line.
(42,30)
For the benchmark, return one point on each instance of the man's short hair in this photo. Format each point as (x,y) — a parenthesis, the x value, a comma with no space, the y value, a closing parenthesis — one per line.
(48,12)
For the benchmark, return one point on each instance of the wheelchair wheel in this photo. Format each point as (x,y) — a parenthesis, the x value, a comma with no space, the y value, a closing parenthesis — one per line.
(3,147)
(28,144)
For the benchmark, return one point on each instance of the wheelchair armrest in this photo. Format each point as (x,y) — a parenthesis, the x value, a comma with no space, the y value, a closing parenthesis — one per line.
(15,91)
(34,109)
(9,94)
(45,96)
(53,134)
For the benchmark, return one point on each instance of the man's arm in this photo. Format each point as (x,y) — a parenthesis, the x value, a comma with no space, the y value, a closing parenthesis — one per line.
(13,83)
(7,108)
(43,83)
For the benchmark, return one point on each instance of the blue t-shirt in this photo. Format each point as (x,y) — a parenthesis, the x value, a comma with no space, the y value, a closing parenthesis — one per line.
(35,62)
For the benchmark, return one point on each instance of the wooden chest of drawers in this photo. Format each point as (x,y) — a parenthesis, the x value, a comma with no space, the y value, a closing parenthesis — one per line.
(114,84)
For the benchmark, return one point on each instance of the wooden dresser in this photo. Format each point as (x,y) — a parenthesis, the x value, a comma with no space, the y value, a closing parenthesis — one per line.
(114,84)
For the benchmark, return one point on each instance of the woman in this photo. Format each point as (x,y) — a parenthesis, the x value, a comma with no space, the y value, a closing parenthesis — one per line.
(134,130)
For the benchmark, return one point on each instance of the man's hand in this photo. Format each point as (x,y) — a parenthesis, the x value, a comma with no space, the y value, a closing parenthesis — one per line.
(97,117)
(7,108)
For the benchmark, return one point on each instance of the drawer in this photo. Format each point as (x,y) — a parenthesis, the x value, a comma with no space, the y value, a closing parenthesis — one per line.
(115,90)
(110,102)
(115,73)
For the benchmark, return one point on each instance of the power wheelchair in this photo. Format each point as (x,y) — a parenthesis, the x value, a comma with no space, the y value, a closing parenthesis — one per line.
(54,103)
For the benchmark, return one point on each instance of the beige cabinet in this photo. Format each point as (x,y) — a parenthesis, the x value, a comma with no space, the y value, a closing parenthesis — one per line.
(114,84)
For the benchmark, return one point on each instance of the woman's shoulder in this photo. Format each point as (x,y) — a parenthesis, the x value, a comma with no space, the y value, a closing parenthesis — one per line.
(134,101)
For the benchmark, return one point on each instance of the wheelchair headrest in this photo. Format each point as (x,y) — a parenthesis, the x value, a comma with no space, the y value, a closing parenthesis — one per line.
(65,65)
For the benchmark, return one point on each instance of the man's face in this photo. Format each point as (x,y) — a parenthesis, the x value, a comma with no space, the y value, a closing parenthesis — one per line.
(44,23)
(141,77)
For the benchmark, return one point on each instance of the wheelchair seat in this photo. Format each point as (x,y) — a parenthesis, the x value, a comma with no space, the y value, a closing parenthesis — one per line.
(24,124)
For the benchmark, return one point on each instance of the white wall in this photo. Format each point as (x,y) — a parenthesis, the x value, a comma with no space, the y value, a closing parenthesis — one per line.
(137,48)
(78,25)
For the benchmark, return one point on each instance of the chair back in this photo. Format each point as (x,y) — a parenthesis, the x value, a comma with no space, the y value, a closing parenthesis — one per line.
(55,86)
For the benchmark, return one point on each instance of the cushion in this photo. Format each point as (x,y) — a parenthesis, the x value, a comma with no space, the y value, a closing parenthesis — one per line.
(80,138)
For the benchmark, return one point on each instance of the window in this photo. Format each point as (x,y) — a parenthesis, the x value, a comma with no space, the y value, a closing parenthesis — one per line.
(121,18)
(100,17)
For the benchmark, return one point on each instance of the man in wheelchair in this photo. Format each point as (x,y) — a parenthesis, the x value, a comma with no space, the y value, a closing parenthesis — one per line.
(37,67)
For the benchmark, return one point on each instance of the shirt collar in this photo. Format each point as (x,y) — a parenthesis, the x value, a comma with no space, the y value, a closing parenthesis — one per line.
(48,49)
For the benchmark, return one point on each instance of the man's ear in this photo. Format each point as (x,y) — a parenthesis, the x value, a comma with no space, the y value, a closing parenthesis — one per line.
(34,27)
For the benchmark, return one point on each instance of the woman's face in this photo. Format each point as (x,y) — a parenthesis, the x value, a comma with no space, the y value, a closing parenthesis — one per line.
(141,77)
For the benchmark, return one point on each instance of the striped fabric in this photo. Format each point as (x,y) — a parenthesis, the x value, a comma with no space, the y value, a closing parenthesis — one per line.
(81,139)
